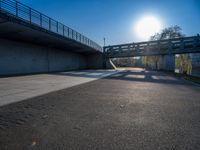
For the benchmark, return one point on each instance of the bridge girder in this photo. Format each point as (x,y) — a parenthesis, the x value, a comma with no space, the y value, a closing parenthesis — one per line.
(150,48)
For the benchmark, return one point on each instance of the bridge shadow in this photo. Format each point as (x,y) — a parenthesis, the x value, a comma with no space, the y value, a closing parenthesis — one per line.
(147,76)
(127,75)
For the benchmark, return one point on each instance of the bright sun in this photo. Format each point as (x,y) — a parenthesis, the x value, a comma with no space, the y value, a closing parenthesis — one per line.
(147,26)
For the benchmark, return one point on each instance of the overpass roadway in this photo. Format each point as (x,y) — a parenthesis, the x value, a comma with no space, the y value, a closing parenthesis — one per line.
(22,23)
(32,42)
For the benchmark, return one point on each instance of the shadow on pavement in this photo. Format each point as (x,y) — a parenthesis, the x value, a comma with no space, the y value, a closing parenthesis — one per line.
(146,76)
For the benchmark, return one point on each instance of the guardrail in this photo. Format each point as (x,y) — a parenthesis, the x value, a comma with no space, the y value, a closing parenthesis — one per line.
(177,45)
(34,17)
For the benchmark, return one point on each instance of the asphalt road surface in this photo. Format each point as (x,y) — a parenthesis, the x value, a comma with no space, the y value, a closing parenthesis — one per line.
(131,110)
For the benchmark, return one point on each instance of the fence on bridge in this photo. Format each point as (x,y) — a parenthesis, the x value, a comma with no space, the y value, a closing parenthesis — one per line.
(25,13)
(160,47)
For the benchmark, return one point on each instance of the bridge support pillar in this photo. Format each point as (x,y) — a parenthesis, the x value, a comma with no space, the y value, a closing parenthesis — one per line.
(108,64)
(95,61)
(167,62)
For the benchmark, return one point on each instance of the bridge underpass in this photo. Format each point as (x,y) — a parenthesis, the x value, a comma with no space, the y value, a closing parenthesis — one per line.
(131,109)
(165,49)
(32,42)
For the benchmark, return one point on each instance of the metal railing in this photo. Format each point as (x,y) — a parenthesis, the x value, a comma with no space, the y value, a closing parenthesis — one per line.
(34,17)
(177,45)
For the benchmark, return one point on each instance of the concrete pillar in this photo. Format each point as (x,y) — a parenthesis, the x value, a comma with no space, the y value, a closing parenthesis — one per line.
(167,62)
(95,61)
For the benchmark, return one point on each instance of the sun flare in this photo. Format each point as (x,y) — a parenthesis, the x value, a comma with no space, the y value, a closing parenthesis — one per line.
(147,26)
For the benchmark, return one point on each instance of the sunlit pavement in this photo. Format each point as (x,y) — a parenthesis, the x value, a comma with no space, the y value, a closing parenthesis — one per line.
(14,89)
(131,110)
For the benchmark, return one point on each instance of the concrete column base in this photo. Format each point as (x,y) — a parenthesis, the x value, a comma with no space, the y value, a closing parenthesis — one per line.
(167,62)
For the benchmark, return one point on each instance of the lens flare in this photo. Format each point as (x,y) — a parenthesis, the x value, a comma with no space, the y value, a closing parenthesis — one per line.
(147,26)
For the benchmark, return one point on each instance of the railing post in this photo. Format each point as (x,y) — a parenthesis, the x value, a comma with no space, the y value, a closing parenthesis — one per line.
(16,8)
(57,26)
(195,42)
(0,5)
(30,18)
(129,49)
(68,32)
(170,47)
(63,30)
(182,44)
(49,24)
(40,19)
(111,51)
(120,49)
(137,48)
(147,46)
(81,38)
(159,46)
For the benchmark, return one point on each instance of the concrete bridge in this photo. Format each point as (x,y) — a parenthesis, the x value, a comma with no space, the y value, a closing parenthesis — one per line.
(32,42)
(127,109)
(166,49)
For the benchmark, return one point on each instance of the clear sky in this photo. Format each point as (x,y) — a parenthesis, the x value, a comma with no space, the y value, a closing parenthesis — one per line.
(115,19)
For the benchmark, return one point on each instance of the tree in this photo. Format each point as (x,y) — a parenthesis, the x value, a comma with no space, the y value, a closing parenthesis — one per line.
(124,62)
(167,33)
(184,64)
(150,62)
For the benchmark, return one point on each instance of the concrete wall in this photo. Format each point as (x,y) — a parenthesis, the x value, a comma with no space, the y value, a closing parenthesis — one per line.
(95,60)
(23,58)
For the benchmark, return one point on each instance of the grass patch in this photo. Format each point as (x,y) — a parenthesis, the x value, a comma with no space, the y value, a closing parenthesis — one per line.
(186,77)
(193,79)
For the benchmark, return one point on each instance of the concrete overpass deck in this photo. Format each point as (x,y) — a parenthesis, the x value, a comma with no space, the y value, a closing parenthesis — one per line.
(22,23)
(31,42)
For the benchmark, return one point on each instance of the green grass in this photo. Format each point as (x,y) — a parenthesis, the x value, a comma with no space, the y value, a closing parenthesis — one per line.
(186,77)
(193,79)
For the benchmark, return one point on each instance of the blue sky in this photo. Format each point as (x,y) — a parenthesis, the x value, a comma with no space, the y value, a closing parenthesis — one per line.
(115,19)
